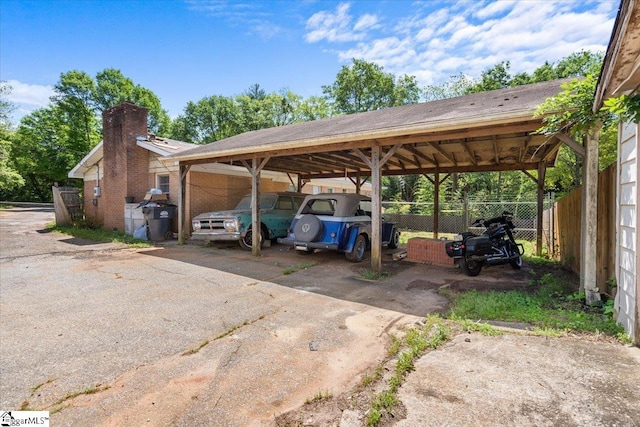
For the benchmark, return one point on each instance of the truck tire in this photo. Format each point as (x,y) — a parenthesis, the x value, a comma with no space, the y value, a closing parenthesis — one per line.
(359,249)
(395,239)
(246,242)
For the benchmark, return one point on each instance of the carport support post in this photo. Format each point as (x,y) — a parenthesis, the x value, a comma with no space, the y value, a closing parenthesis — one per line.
(254,169)
(589,227)
(376,221)
(540,213)
(255,208)
(182,210)
(436,204)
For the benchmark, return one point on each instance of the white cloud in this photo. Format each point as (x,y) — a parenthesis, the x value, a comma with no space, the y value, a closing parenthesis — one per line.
(493,9)
(28,94)
(336,26)
(469,37)
(26,98)
(366,22)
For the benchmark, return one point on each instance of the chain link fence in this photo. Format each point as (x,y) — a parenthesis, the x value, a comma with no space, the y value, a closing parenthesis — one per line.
(456,217)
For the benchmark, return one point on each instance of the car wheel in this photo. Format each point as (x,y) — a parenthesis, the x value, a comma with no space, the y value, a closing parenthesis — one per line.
(359,249)
(308,228)
(395,239)
(246,242)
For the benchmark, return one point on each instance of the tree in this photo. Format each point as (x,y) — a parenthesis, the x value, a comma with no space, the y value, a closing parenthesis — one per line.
(497,77)
(113,88)
(255,92)
(50,141)
(10,179)
(45,153)
(571,112)
(313,108)
(75,101)
(566,175)
(364,86)
(456,86)
(218,117)
(210,119)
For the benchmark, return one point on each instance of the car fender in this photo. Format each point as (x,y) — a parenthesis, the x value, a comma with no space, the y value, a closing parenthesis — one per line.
(353,231)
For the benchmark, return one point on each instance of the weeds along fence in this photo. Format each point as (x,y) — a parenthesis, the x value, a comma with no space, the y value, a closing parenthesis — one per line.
(455,217)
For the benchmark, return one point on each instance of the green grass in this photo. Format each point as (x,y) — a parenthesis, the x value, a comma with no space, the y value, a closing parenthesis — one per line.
(551,304)
(298,267)
(100,235)
(86,391)
(372,275)
(430,335)
(319,396)
(405,235)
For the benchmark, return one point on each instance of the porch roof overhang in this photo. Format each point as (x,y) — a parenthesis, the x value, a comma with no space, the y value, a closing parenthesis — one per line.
(620,73)
(490,131)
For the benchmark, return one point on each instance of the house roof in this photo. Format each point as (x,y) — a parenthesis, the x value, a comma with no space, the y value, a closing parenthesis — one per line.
(620,73)
(162,146)
(492,130)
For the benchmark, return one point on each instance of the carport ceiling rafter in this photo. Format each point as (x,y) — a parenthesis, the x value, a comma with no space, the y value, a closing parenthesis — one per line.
(490,131)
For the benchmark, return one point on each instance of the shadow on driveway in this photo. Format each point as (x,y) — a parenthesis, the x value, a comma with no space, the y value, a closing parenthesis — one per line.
(411,288)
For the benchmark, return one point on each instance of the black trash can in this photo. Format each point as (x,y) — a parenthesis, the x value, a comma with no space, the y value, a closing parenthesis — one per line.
(159,220)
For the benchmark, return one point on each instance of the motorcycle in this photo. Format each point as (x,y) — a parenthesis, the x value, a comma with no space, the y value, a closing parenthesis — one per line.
(495,246)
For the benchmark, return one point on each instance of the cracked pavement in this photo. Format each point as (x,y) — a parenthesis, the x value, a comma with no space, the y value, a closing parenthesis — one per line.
(105,331)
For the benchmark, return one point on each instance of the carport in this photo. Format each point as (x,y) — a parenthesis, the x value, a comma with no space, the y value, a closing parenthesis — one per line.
(483,132)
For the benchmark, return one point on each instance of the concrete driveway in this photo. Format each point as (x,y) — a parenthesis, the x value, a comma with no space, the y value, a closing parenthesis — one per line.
(100,334)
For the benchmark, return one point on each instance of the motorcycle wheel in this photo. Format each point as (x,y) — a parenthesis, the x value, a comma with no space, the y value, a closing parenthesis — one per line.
(516,263)
(470,268)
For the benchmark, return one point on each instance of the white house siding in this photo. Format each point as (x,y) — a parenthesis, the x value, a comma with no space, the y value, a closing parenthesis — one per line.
(627,228)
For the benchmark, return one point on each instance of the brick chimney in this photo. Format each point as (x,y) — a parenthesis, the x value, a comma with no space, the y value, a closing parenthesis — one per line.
(126,166)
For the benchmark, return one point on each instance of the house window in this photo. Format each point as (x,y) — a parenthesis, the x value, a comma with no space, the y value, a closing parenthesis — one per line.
(162,183)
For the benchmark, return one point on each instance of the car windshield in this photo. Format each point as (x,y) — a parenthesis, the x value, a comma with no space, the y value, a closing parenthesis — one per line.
(266,202)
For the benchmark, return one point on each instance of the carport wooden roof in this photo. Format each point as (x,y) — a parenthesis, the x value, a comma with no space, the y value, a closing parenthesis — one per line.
(489,131)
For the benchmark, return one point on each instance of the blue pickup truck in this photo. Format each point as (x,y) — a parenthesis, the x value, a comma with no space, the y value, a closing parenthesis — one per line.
(337,221)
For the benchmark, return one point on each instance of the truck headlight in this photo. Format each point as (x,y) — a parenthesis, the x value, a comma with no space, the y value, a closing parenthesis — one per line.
(196,225)
(230,225)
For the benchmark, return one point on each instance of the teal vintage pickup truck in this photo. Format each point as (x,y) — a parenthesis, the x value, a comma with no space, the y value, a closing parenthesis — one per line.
(276,212)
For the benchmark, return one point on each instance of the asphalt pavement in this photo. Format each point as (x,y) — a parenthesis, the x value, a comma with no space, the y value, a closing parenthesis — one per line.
(100,334)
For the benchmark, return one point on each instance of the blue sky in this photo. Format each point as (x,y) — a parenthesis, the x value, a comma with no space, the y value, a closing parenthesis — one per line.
(186,50)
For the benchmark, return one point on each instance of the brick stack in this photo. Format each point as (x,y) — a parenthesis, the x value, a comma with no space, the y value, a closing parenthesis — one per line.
(126,165)
(428,251)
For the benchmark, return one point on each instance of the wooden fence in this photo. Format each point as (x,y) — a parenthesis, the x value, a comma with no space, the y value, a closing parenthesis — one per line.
(567,214)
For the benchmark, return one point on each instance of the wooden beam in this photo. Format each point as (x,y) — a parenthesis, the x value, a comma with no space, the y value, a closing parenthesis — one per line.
(442,152)
(539,223)
(364,158)
(472,156)
(256,250)
(589,228)
(551,151)
(445,169)
(183,170)
(376,214)
(418,154)
(390,153)
(525,148)
(436,205)
(495,150)
(571,143)
(424,138)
